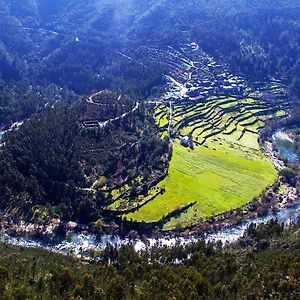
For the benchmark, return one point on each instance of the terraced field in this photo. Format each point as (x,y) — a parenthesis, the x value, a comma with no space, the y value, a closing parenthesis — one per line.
(225,168)
(213,119)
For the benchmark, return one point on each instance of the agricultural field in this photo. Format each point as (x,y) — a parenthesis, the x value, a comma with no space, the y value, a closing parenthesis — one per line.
(218,180)
(213,120)
(223,169)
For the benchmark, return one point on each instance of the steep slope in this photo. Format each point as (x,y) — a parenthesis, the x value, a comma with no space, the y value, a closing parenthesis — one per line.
(58,163)
(55,40)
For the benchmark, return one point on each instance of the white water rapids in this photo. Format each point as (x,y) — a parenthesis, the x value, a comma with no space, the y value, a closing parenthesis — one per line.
(77,243)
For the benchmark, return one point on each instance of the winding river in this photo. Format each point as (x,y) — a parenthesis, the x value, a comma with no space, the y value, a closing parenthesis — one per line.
(78,244)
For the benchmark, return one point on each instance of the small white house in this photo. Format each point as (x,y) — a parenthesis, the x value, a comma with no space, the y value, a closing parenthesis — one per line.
(185,141)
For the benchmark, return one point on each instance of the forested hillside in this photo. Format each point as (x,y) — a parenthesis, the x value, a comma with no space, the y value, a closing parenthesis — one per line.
(52,51)
(95,45)
(255,32)
(64,162)
(145,120)
(19,100)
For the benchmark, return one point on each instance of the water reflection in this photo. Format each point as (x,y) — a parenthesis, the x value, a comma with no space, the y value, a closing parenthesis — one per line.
(286,146)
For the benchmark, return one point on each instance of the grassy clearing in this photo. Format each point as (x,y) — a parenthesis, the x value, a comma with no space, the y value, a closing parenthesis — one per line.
(225,170)
(128,203)
(218,180)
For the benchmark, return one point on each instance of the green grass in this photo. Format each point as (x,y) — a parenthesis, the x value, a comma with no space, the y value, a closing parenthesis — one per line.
(161,116)
(225,172)
(163,135)
(219,180)
(163,121)
(280,113)
(118,192)
(129,203)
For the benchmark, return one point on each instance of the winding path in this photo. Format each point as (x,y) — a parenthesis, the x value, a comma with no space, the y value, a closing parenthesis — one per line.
(102,124)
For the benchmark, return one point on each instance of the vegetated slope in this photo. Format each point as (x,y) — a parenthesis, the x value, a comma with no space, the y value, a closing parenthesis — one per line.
(92,45)
(257,38)
(57,163)
(264,264)
(19,100)
(221,166)
(71,43)
(65,44)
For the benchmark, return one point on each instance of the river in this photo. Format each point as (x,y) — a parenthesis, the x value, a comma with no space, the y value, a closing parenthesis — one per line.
(79,243)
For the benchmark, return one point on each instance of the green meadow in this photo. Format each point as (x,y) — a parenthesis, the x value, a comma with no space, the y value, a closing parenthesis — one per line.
(218,180)
(226,167)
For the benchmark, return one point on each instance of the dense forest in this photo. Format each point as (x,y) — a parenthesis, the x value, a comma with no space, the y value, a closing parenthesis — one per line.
(19,100)
(96,45)
(264,264)
(49,166)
